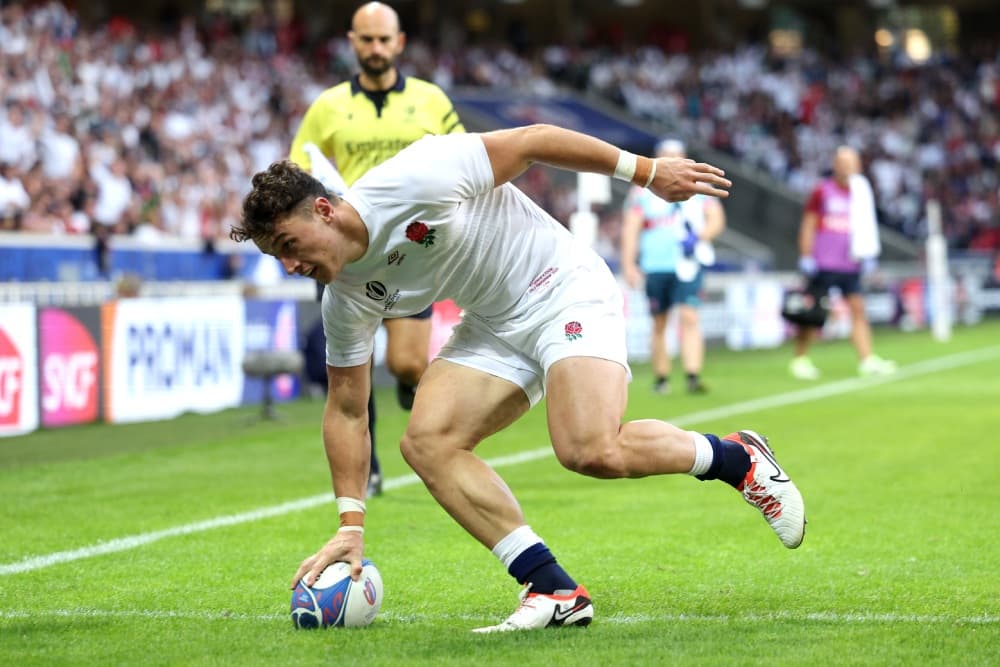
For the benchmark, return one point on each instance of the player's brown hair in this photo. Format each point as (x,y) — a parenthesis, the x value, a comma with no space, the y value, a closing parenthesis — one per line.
(276,193)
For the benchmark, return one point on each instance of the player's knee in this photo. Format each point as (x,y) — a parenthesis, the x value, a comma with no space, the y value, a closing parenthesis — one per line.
(416,457)
(426,451)
(600,457)
(407,368)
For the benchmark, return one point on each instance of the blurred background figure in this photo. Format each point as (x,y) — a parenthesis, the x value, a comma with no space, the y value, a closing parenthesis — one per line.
(665,245)
(838,243)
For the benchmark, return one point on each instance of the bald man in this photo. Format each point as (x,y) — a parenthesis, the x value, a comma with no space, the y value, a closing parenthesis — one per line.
(361,123)
(827,260)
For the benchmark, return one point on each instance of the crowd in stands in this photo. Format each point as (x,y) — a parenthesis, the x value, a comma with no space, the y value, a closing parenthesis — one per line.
(118,130)
(928,131)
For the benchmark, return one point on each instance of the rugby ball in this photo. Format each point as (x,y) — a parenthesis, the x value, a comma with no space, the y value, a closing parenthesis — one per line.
(336,601)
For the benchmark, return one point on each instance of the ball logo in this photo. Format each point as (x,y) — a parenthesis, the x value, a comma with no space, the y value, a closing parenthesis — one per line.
(370,593)
(11,385)
(376,290)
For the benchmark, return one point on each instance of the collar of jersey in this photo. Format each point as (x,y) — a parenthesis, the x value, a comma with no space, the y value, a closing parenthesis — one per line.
(397,87)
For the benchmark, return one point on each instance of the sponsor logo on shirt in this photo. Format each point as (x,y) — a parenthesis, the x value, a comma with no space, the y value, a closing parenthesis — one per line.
(542,279)
(376,291)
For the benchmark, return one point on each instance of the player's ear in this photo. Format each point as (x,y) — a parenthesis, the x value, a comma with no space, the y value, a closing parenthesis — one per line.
(400,42)
(323,206)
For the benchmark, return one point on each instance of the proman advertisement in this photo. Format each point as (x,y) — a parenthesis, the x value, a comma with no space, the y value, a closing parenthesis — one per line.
(164,357)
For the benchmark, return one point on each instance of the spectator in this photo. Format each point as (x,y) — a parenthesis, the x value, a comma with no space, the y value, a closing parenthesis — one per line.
(14,199)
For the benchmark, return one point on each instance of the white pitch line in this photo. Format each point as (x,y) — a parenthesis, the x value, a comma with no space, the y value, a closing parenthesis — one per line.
(778,400)
(614,619)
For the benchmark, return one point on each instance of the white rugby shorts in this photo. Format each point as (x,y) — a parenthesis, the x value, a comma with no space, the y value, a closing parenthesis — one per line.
(579,314)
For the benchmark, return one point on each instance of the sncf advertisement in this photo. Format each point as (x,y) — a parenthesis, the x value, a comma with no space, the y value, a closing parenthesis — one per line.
(165,357)
(18,372)
(271,325)
(69,362)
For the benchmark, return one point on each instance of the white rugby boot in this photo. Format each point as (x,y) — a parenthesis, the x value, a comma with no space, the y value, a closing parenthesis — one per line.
(769,489)
(540,610)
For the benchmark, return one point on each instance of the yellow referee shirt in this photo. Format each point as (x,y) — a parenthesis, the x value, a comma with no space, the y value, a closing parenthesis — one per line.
(359,129)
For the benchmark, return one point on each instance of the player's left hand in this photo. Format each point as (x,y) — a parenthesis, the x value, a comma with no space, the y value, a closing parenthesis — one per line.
(347,547)
(678,179)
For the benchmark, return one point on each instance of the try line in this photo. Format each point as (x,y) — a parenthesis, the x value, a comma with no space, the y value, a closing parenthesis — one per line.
(767,402)
(835,618)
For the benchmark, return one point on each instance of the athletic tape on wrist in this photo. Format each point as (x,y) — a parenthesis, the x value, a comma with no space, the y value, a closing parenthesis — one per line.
(625,169)
(652,175)
(345,504)
(351,529)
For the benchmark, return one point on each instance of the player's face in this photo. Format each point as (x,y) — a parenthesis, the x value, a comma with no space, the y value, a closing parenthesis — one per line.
(308,244)
(377,42)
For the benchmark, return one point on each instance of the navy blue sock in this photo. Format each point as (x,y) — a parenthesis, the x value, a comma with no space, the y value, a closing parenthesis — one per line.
(537,565)
(730,462)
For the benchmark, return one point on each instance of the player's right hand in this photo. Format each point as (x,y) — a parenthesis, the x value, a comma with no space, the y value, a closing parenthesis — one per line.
(346,547)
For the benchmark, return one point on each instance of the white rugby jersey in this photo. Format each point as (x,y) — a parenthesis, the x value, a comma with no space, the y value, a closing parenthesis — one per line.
(438,229)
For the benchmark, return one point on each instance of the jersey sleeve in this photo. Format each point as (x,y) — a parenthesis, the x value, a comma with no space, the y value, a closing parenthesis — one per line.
(814,203)
(443,109)
(350,333)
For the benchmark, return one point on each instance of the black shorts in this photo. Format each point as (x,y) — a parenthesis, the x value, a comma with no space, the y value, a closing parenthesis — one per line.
(847,282)
(423,314)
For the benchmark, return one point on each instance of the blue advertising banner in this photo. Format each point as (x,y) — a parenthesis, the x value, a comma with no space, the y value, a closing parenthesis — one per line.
(271,325)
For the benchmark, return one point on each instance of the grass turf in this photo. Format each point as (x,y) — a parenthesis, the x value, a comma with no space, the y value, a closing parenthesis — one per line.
(898,567)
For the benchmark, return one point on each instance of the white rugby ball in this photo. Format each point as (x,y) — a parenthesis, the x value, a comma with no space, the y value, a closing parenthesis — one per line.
(336,601)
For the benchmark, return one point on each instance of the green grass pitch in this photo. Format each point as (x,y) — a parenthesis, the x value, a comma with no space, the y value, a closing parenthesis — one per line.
(173,543)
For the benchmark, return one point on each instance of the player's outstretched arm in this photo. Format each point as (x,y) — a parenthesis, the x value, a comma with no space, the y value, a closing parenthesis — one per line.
(348,451)
(512,151)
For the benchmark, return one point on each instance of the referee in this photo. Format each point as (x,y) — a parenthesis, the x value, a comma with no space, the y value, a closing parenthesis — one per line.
(361,123)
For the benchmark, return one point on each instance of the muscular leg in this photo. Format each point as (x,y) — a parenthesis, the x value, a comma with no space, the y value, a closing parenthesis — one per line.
(455,409)
(586,401)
